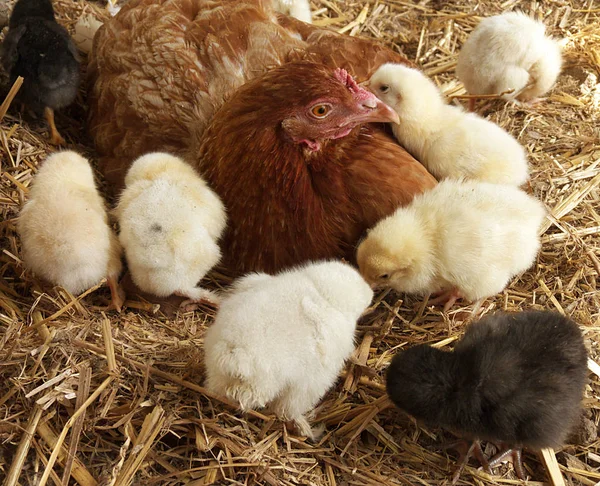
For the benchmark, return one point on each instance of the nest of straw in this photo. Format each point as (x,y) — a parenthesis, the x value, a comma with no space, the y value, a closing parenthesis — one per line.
(117,399)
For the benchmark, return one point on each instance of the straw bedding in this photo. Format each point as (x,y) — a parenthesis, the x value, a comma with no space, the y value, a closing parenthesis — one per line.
(118,399)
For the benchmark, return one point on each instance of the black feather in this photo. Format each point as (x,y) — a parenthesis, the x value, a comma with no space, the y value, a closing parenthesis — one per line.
(516,378)
(32,8)
(40,50)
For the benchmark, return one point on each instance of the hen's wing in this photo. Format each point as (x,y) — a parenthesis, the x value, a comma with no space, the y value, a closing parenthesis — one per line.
(359,56)
(383,177)
(159,70)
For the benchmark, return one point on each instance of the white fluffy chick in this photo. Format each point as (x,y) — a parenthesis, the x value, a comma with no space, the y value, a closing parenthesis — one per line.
(299,9)
(463,239)
(170,222)
(64,228)
(282,340)
(448,141)
(509,52)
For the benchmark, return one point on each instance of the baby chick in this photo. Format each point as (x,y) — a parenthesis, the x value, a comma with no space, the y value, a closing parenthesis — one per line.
(513,378)
(40,50)
(465,239)
(509,52)
(282,340)
(299,9)
(64,228)
(170,222)
(85,30)
(448,141)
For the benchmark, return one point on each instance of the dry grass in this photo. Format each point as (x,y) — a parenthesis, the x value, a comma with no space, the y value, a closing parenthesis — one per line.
(117,399)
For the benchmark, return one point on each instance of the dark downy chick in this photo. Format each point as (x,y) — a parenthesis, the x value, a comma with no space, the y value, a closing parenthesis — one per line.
(40,50)
(513,378)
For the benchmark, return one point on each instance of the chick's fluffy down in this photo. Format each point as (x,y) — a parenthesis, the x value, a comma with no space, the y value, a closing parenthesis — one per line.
(64,226)
(449,142)
(282,340)
(509,52)
(470,236)
(170,222)
(299,9)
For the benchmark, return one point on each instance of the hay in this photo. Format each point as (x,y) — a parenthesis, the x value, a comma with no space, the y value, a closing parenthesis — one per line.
(117,399)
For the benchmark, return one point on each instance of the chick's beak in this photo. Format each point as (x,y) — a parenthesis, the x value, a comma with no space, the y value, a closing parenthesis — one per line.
(373,110)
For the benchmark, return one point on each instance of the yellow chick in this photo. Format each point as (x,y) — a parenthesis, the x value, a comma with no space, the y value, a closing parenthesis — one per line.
(64,228)
(509,52)
(449,142)
(463,239)
(170,222)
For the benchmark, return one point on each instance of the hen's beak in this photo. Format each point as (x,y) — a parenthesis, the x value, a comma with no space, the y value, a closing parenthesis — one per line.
(373,110)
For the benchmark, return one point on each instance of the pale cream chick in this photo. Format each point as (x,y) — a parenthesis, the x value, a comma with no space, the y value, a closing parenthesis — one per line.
(64,228)
(170,223)
(509,52)
(449,142)
(299,9)
(281,341)
(466,239)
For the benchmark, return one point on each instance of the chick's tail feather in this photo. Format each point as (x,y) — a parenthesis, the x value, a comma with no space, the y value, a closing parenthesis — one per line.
(498,173)
(238,366)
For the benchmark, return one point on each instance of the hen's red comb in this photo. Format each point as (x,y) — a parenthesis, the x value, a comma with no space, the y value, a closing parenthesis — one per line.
(347,80)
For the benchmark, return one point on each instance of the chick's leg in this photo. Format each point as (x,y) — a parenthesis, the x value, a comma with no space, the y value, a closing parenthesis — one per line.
(55,137)
(515,455)
(116,292)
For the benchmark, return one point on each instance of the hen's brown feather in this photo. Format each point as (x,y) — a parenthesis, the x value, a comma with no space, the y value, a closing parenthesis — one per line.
(161,70)
(359,56)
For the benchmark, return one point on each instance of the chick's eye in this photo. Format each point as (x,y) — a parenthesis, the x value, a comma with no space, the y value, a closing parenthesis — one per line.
(321,110)
(384,276)
(384,88)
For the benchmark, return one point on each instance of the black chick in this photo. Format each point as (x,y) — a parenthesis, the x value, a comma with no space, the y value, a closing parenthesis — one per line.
(40,50)
(513,378)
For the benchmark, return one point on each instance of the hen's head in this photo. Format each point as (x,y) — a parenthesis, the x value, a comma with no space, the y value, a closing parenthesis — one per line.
(320,103)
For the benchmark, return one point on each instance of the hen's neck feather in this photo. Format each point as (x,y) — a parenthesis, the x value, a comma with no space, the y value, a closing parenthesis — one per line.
(248,159)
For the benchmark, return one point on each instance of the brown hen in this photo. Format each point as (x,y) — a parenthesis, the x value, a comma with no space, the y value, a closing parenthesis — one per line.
(232,88)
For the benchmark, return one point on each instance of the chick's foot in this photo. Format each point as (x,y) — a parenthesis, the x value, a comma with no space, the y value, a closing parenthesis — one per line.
(55,136)
(513,454)
(466,451)
(196,296)
(448,298)
(304,428)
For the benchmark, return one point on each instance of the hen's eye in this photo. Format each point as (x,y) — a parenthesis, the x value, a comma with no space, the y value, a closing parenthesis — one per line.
(321,110)
(384,276)
(384,88)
